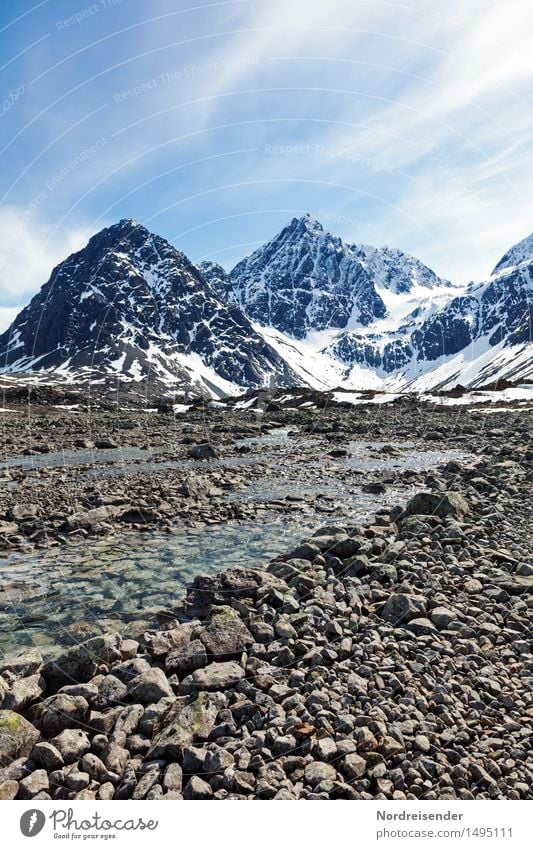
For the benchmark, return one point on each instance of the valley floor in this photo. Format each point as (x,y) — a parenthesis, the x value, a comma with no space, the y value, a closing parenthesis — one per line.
(378,649)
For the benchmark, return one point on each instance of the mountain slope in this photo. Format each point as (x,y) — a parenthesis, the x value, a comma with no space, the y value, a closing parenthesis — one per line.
(397,271)
(304,280)
(305,309)
(480,335)
(130,304)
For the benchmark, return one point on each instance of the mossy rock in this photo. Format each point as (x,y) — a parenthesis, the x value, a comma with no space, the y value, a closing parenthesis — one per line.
(186,723)
(17,737)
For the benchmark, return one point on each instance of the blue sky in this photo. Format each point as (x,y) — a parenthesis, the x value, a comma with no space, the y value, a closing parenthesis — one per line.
(214,123)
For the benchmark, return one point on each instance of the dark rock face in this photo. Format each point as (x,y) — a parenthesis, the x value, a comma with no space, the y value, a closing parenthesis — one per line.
(397,271)
(131,307)
(500,309)
(305,279)
(130,304)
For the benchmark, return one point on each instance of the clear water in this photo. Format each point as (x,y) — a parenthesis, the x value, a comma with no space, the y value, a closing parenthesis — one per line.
(56,599)
(76,457)
(60,597)
(124,455)
(109,462)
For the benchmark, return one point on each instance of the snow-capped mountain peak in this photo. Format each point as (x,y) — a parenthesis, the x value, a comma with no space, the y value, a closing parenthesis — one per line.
(303,280)
(397,271)
(130,305)
(519,254)
(305,308)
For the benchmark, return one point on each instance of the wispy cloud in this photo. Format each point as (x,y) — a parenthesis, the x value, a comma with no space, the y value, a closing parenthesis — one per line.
(413,123)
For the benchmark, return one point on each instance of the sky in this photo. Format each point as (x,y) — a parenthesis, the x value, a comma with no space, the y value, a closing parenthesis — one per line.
(213,124)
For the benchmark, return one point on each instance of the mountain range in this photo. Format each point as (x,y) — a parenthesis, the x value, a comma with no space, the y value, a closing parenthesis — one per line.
(306,308)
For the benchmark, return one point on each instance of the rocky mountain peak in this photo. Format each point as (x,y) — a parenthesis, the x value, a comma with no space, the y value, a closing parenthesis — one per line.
(305,279)
(519,254)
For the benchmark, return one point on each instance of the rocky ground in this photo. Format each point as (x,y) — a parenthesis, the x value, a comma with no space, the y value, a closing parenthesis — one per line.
(99,482)
(391,660)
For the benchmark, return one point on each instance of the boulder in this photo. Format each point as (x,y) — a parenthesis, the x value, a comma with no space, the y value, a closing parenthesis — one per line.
(182,662)
(215,676)
(186,722)
(47,756)
(24,664)
(149,687)
(225,635)
(82,662)
(400,608)
(441,617)
(237,583)
(72,744)
(34,783)
(203,451)
(421,626)
(160,643)
(17,737)
(24,692)
(58,712)
(316,771)
(437,504)
(105,442)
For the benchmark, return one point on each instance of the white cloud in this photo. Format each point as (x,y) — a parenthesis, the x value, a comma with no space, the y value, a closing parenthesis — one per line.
(29,251)
(7,315)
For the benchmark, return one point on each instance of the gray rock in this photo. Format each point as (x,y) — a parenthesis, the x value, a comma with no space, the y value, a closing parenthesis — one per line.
(215,676)
(105,791)
(35,782)
(94,767)
(325,749)
(77,780)
(186,722)
(111,691)
(437,504)
(72,744)
(58,712)
(24,692)
(421,626)
(17,737)
(401,608)
(173,778)
(128,719)
(203,451)
(225,635)
(284,629)
(81,663)
(128,649)
(46,755)
(160,643)
(105,442)
(116,759)
(8,789)
(184,661)
(197,788)
(316,772)
(154,716)
(352,766)
(150,687)
(24,664)
(193,760)
(130,669)
(88,691)
(147,782)
(441,617)
(217,759)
